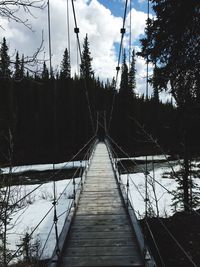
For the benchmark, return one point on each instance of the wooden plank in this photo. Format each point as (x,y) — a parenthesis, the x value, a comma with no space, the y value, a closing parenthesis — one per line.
(123,261)
(117,242)
(101,234)
(100,251)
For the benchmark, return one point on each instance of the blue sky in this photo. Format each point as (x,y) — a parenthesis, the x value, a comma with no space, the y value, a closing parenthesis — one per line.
(100,19)
(117,6)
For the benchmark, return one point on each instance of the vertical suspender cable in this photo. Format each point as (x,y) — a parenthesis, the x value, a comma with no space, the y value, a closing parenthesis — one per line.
(123,31)
(54,184)
(77,58)
(147,92)
(147,77)
(68,31)
(49,31)
(76,30)
(130,36)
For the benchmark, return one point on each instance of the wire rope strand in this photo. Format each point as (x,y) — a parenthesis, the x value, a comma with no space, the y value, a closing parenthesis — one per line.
(118,63)
(49,32)
(130,35)
(85,85)
(126,154)
(68,31)
(54,175)
(177,243)
(174,239)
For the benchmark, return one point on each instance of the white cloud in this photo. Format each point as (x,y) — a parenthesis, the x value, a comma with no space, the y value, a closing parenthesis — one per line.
(103,30)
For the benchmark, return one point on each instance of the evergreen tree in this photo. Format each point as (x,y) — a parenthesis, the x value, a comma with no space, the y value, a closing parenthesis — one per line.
(113,84)
(131,75)
(155,87)
(22,71)
(86,61)
(65,71)
(4,60)
(17,67)
(124,84)
(45,72)
(172,40)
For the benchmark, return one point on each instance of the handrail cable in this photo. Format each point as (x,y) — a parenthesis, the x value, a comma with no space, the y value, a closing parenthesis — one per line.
(130,204)
(178,244)
(55,174)
(163,152)
(118,63)
(150,231)
(167,190)
(175,240)
(60,215)
(32,232)
(46,240)
(131,179)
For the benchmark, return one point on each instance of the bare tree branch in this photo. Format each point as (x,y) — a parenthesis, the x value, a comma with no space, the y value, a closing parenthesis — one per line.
(9,9)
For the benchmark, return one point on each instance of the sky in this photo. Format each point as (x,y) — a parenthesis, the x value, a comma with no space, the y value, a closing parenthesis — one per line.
(100,19)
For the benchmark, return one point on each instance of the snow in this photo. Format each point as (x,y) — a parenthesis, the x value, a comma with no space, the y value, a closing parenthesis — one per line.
(44,167)
(164,197)
(155,157)
(39,204)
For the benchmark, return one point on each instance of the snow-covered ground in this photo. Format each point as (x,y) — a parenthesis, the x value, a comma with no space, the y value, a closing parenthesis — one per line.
(38,203)
(163,196)
(44,167)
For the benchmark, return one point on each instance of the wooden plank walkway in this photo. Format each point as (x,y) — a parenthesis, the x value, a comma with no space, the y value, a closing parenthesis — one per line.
(101,233)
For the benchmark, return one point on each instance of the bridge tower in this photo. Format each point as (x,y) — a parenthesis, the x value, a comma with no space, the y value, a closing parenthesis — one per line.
(101,125)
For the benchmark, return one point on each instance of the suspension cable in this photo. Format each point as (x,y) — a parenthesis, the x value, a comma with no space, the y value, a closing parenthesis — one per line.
(177,243)
(166,189)
(46,240)
(55,174)
(32,232)
(173,238)
(123,31)
(76,30)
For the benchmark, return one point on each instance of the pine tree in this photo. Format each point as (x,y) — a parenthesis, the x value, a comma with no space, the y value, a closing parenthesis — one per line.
(65,72)
(124,84)
(86,61)
(22,71)
(4,60)
(17,67)
(45,72)
(131,75)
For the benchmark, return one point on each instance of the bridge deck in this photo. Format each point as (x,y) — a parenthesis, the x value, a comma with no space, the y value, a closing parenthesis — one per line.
(101,233)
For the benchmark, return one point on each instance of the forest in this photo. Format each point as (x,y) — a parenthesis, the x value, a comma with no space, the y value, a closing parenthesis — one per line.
(46,116)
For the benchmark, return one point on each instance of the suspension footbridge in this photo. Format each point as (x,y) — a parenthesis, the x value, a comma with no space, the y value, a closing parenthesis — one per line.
(101,232)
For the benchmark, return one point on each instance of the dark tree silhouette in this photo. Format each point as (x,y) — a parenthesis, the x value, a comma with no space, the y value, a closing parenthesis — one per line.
(86,61)
(4,60)
(65,71)
(131,74)
(124,84)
